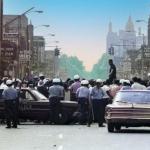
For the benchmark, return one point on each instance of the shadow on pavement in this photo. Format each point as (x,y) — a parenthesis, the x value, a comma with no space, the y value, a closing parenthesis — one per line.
(134,131)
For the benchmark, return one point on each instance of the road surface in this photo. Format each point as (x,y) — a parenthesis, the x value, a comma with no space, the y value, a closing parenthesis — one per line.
(72,137)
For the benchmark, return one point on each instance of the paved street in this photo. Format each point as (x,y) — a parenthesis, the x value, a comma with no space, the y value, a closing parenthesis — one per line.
(73,137)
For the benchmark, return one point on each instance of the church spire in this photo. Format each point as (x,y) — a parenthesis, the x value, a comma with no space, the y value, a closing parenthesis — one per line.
(110,27)
(129,25)
(149,31)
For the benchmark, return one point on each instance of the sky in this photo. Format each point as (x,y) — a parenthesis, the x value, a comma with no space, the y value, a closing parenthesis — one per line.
(80,26)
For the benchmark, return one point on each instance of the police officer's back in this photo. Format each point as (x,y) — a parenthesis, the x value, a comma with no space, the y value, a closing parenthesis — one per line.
(56,93)
(10,96)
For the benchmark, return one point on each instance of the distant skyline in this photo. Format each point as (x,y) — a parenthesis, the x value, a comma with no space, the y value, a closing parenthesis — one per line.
(81,26)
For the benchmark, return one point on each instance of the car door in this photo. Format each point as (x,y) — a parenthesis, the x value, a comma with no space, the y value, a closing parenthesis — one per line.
(25,104)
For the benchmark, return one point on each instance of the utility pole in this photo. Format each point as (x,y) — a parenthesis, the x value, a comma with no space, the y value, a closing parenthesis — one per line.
(1,34)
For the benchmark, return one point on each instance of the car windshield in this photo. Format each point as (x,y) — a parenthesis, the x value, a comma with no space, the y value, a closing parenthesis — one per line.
(133,97)
(39,95)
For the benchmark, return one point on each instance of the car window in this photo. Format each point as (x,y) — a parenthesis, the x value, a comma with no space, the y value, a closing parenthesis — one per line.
(29,96)
(26,95)
(38,95)
(133,97)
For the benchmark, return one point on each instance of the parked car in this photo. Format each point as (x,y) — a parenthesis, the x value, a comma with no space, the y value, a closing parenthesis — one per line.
(35,106)
(131,108)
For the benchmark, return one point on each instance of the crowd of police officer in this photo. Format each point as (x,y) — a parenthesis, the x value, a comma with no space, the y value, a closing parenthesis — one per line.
(88,94)
(91,104)
(91,95)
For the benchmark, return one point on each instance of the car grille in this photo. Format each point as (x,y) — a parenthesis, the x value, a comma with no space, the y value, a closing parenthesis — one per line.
(133,113)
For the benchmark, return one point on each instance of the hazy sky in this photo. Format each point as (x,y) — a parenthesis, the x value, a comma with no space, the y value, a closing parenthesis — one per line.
(80,25)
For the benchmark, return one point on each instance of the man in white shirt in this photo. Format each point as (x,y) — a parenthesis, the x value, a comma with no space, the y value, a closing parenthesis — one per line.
(137,85)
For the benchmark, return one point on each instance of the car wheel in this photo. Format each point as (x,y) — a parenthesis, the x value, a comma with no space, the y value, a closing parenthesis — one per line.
(110,127)
(118,127)
(62,118)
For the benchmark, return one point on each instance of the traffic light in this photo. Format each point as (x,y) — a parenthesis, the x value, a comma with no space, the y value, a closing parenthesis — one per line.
(57,52)
(111,51)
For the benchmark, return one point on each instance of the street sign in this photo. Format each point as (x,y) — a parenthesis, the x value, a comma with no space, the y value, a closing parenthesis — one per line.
(11,37)
(8,51)
(24,56)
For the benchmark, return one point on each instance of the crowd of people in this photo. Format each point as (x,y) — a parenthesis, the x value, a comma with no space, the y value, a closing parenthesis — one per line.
(92,95)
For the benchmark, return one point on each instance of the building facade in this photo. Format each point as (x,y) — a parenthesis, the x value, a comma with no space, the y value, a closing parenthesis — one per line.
(38,54)
(123,41)
(15,30)
(50,63)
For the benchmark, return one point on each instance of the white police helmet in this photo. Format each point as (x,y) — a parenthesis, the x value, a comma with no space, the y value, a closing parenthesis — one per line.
(85,82)
(121,81)
(9,82)
(41,75)
(127,81)
(99,81)
(82,82)
(76,76)
(56,80)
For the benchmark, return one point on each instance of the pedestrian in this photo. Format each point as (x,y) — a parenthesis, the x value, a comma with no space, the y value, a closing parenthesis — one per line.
(42,89)
(41,78)
(56,93)
(74,87)
(126,85)
(112,71)
(83,94)
(3,84)
(10,96)
(106,88)
(114,88)
(98,103)
(137,84)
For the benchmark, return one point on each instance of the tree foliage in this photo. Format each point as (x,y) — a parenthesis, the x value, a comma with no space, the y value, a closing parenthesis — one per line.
(100,69)
(72,65)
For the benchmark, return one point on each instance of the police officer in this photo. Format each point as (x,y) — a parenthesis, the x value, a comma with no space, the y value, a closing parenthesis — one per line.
(83,94)
(56,93)
(98,102)
(10,96)
(74,87)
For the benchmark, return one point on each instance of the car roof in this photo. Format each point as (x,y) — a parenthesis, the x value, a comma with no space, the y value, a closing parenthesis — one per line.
(134,90)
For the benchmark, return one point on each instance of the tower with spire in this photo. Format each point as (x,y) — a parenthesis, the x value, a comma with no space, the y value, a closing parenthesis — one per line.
(110,27)
(126,39)
(129,25)
(112,37)
(149,32)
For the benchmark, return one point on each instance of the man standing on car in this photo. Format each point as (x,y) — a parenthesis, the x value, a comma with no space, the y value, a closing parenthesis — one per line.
(56,93)
(112,71)
(10,96)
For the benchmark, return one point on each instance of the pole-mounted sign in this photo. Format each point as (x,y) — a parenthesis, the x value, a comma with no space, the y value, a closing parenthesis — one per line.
(1,32)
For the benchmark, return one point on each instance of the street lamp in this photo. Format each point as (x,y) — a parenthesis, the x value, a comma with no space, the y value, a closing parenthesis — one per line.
(43,25)
(38,11)
(51,34)
(141,20)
